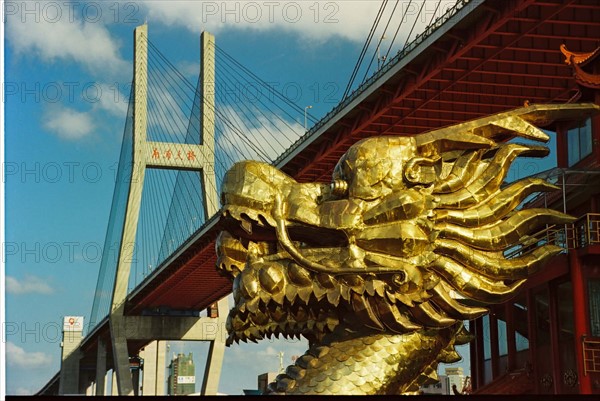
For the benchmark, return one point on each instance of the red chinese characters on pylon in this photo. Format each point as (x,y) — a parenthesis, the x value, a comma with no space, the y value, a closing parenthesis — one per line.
(169,154)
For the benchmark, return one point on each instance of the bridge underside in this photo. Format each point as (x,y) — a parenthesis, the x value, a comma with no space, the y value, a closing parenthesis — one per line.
(189,282)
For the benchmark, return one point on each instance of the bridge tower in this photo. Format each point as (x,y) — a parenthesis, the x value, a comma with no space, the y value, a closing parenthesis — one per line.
(197,157)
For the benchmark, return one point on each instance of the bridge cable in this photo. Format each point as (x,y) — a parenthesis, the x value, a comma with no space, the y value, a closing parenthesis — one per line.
(170,76)
(165,104)
(164,185)
(244,104)
(364,49)
(157,181)
(381,38)
(238,120)
(176,229)
(184,80)
(234,129)
(217,113)
(261,112)
(100,296)
(398,28)
(263,83)
(413,25)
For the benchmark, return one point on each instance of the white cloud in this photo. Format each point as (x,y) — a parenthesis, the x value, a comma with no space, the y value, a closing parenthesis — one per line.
(309,19)
(52,33)
(191,70)
(112,100)
(315,21)
(270,351)
(17,356)
(28,285)
(68,123)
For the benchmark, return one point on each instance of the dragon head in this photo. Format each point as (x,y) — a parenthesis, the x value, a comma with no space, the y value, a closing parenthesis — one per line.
(408,231)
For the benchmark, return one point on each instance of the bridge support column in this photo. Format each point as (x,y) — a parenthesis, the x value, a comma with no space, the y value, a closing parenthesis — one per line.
(214,363)
(69,368)
(114,389)
(203,161)
(153,382)
(134,200)
(161,379)
(135,378)
(121,357)
(88,386)
(207,123)
(101,368)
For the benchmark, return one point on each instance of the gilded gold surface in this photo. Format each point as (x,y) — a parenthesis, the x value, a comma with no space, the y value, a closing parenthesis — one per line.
(364,267)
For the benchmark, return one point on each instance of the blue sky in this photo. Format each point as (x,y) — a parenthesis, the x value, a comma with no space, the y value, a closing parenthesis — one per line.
(67,65)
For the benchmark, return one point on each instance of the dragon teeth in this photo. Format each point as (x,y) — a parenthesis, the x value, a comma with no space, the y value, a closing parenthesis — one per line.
(304,294)
(318,291)
(279,297)
(345,292)
(291,293)
(326,281)
(370,288)
(246,225)
(248,283)
(259,318)
(333,296)
(379,287)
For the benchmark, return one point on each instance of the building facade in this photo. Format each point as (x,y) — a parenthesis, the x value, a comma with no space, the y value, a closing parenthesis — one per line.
(452,383)
(547,339)
(182,375)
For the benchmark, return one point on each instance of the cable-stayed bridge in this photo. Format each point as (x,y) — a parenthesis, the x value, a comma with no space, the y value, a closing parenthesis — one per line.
(179,140)
(157,272)
(244,118)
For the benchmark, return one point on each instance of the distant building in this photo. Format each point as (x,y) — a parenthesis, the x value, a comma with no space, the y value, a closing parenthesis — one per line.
(182,375)
(453,377)
(439,388)
(263,382)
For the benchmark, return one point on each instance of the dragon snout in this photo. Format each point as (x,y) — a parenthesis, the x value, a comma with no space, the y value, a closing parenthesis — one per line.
(248,195)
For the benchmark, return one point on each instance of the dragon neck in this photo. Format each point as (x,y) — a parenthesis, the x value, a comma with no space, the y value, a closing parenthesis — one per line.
(369,363)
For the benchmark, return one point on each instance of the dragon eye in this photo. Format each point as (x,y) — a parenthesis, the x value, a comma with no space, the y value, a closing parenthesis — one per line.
(339,188)
(399,278)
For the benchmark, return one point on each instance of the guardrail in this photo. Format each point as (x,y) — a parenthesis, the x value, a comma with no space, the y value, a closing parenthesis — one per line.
(586,230)
(591,355)
(580,234)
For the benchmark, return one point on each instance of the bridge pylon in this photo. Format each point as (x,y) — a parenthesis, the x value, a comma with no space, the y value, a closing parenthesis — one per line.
(146,154)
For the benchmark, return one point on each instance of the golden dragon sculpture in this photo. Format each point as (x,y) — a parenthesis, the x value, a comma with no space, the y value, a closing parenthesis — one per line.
(379,268)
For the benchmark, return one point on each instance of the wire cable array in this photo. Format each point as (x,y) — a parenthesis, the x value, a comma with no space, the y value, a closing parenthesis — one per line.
(251,121)
(413,12)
